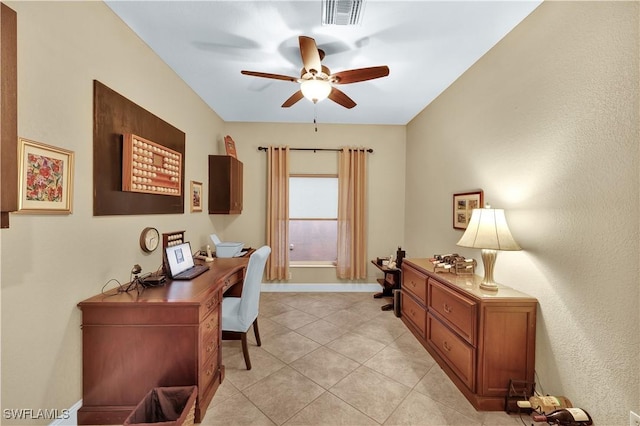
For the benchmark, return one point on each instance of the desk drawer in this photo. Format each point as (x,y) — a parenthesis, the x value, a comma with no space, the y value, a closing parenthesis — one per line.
(415,283)
(209,332)
(415,313)
(231,280)
(208,371)
(456,310)
(209,305)
(459,354)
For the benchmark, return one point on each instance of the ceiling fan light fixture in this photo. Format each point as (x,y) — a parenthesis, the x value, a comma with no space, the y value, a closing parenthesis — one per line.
(315,90)
(342,12)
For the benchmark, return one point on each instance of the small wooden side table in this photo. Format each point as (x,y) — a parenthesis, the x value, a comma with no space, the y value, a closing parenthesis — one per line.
(390,282)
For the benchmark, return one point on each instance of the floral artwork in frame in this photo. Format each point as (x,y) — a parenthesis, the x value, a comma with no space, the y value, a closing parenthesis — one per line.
(196,196)
(46,178)
(463,205)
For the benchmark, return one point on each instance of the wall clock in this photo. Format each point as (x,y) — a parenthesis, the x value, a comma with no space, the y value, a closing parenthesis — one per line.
(149,239)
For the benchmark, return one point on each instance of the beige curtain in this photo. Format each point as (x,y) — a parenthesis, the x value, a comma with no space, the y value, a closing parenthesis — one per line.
(278,212)
(352,238)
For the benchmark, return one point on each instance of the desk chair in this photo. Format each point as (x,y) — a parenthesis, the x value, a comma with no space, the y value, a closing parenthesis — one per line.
(238,313)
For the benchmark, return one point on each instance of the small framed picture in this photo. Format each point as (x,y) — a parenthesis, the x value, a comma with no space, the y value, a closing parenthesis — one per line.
(46,178)
(196,196)
(230,146)
(463,205)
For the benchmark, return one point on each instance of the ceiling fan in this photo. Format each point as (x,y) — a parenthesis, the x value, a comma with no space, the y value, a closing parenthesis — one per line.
(316,80)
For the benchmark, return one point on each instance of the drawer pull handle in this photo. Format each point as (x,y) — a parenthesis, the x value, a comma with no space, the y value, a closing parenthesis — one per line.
(446,346)
(447,308)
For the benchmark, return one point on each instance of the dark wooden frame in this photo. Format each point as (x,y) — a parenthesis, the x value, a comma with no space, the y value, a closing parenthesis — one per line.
(8,113)
(114,116)
(475,197)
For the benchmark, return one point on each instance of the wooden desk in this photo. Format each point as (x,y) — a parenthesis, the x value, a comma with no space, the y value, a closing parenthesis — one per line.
(162,336)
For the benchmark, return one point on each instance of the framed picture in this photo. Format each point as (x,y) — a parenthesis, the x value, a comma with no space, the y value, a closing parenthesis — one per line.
(463,204)
(196,196)
(46,178)
(230,146)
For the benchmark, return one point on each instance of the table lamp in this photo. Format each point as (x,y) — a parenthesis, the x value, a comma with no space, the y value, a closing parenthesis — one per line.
(488,230)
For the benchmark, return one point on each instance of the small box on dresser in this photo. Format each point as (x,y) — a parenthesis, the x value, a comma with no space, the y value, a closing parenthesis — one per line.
(481,339)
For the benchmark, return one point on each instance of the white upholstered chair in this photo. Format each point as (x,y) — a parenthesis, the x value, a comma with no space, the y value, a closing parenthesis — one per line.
(239,313)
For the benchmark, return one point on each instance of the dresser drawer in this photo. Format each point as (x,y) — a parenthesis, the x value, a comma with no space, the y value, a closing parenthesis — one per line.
(412,311)
(209,331)
(415,283)
(209,305)
(460,356)
(456,310)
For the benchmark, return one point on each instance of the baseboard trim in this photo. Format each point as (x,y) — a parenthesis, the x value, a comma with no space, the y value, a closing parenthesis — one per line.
(71,419)
(320,287)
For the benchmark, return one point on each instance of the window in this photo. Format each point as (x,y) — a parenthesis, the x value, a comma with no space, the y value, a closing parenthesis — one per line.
(313,219)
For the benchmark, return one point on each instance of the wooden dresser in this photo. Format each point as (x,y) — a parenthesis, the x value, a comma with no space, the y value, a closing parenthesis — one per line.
(162,336)
(481,339)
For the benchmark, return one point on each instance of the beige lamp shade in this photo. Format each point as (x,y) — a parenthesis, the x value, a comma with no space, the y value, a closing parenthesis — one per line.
(488,229)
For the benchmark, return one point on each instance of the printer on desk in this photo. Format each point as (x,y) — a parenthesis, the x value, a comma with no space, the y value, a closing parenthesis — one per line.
(226,249)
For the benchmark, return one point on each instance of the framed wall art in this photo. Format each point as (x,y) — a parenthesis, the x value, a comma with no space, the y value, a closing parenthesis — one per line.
(463,204)
(196,196)
(45,178)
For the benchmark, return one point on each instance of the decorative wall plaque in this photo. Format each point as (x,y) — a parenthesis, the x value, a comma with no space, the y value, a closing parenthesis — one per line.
(150,167)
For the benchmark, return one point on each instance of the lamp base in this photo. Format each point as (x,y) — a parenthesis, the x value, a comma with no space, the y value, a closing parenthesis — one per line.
(489,286)
(488,261)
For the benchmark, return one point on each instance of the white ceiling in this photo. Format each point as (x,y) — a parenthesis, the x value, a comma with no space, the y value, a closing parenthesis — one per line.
(426,44)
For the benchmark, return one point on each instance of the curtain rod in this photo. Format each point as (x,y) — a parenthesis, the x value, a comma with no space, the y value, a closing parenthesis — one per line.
(264,148)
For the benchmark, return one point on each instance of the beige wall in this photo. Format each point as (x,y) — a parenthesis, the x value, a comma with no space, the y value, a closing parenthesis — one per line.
(385,185)
(50,263)
(546,124)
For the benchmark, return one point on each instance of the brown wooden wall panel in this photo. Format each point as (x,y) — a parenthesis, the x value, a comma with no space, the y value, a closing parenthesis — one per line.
(113,116)
(8,114)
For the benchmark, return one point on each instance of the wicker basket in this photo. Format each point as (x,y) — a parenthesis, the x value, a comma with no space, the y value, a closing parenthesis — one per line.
(166,406)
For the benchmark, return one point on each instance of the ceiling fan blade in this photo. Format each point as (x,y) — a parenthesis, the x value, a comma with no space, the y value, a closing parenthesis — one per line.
(339,97)
(310,54)
(293,99)
(360,74)
(267,75)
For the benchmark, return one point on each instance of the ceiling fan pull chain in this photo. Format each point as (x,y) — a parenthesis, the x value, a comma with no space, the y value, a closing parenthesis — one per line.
(315,116)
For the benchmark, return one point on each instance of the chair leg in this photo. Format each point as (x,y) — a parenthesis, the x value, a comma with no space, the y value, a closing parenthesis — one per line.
(245,351)
(257,332)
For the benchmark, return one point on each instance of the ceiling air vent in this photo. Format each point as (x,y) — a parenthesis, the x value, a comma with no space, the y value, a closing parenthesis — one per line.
(342,12)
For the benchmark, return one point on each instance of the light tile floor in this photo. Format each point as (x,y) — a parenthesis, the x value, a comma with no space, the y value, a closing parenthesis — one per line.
(337,359)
